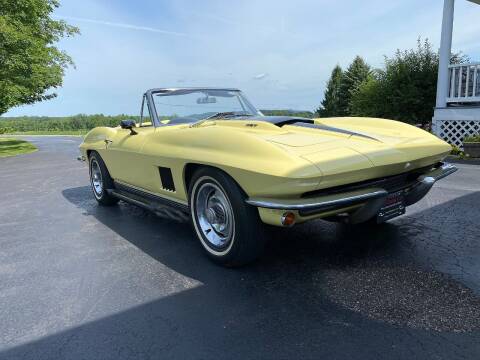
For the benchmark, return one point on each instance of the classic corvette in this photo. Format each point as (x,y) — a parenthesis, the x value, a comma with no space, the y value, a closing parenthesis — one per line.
(209,155)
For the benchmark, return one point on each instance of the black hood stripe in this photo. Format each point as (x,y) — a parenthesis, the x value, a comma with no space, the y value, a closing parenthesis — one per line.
(333,129)
(305,122)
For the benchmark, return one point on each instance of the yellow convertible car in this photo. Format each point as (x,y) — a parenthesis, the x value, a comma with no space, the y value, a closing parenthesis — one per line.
(209,155)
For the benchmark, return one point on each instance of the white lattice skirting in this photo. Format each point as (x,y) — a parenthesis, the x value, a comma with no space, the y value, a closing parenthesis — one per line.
(454,131)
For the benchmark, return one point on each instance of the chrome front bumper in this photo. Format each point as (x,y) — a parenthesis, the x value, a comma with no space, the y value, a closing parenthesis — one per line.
(426,181)
(370,200)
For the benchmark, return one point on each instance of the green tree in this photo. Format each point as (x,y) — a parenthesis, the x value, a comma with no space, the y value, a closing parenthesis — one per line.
(30,64)
(330,103)
(367,100)
(405,89)
(358,72)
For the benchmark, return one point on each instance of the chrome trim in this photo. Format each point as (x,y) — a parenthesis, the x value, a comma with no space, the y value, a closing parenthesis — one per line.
(439,173)
(372,198)
(158,209)
(152,110)
(96,178)
(426,181)
(151,103)
(176,89)
(132,188)
(141,109)
(322,202)
(369,210)
(214,215)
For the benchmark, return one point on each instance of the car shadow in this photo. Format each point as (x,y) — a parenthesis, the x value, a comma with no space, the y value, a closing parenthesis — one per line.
(175,245)
(277,307)
(422,239)
(318,243)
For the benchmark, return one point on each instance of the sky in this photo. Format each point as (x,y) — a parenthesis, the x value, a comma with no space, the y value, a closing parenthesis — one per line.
(280,53)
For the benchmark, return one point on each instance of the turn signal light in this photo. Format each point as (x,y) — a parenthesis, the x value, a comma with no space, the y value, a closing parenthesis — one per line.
(288,219)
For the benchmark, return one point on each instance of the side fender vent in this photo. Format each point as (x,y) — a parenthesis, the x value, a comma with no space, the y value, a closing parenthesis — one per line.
(166,178)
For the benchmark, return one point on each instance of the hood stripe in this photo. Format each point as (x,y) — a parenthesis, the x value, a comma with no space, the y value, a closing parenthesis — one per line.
(333,129)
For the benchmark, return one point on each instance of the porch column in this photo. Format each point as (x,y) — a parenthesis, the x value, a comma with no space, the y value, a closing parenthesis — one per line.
(445,51)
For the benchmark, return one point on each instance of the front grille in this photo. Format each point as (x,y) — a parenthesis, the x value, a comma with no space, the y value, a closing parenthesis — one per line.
(389,183)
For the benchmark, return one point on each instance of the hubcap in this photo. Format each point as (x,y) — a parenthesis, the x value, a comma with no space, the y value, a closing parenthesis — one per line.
(96,177)
(215,215)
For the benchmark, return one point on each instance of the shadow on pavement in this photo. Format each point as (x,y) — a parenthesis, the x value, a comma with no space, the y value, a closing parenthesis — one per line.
(281,306)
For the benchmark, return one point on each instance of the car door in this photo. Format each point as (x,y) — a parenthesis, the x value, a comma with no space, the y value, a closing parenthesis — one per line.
(124,157)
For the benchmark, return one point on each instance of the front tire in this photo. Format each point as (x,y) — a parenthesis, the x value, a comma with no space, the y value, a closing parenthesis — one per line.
(100,180)
(229,230)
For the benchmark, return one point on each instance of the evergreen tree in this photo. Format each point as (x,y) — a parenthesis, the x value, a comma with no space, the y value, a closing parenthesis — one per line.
(405,89)
(329,105)
(357,73)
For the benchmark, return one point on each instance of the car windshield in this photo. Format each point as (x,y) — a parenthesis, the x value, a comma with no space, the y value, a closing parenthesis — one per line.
(191,105)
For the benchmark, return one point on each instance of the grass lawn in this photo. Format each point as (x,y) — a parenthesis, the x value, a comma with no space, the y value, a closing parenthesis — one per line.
(11,147)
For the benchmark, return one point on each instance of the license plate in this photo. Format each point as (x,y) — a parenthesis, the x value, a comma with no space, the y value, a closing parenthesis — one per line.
(394,206)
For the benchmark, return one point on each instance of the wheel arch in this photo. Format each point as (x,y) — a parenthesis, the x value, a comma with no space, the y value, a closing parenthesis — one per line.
(190,169)
(89,152)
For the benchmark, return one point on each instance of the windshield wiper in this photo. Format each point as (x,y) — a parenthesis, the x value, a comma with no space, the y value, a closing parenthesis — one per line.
(235,115)
(225,114)
(218,115)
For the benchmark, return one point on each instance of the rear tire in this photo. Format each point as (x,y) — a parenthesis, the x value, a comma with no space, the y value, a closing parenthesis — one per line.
(100,180)
(229,230)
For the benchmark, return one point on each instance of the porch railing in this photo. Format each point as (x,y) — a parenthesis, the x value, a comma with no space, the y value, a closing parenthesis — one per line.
(464,83)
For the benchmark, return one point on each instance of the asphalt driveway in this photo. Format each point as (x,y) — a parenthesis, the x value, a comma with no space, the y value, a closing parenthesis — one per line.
(78,281)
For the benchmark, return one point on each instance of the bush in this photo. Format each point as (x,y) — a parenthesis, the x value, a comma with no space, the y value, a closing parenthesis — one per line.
(456,151)
(472,138)
(404,89)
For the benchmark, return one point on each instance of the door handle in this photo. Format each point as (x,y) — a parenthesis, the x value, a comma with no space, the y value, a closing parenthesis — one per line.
(107,142)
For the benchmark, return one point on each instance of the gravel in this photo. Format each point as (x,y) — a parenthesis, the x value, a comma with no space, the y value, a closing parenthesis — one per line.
(404,296)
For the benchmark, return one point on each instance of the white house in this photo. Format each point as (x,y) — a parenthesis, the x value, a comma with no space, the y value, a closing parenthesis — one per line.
(457,111)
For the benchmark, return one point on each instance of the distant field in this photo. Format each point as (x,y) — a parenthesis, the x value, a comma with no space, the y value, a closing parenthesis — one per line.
(81,124)
(80,132)
(12,146)
(44,125)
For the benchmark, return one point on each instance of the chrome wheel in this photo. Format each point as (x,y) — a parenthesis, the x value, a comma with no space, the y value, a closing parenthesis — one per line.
(96,178)
(228,229)
(214,216)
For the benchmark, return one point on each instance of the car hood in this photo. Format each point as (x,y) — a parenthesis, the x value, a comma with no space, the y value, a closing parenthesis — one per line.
(337,145)
(329,152)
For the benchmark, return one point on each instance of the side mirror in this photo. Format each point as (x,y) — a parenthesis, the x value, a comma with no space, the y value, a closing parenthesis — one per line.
(130,125)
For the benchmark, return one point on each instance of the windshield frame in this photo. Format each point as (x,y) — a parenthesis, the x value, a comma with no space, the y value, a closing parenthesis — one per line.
(152,92)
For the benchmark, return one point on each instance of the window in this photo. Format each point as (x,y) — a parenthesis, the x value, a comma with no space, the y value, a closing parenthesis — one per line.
(190,105)
(145,117)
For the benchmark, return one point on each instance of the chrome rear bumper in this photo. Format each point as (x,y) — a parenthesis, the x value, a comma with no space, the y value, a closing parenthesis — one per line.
(371,198)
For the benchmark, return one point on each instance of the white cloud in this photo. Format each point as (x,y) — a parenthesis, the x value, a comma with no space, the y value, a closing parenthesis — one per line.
(260,76)
(121,25)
